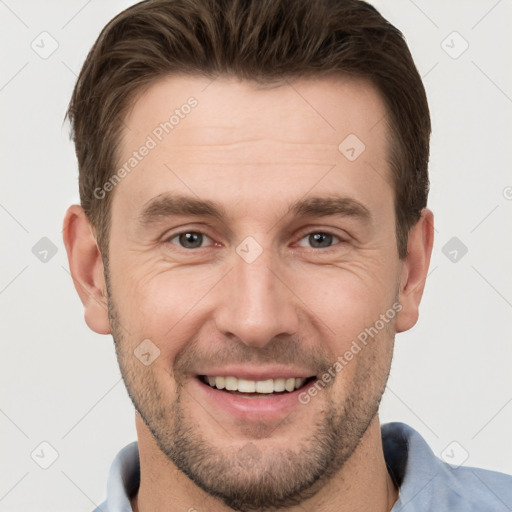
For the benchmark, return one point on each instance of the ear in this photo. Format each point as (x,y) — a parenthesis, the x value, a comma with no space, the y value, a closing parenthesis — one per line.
(86,267)
(415,269)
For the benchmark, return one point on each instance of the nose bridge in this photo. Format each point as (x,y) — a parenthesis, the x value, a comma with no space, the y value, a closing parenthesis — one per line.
(256,305)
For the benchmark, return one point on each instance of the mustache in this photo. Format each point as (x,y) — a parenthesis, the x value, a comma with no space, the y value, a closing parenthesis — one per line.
(287,352)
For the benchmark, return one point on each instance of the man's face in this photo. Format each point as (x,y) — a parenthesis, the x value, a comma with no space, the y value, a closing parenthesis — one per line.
(261,292)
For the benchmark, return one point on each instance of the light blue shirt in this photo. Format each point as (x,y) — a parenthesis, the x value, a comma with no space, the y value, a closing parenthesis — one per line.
(426,482)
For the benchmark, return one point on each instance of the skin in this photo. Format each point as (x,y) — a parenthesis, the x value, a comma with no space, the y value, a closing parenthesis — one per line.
(297,304)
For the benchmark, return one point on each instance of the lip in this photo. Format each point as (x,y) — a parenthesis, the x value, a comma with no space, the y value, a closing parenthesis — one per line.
(257,373)
(243,408)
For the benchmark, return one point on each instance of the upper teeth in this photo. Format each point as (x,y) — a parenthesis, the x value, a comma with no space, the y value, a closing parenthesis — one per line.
(255,386)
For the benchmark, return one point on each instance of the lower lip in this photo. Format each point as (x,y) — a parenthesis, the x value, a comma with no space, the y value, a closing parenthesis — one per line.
(245,407)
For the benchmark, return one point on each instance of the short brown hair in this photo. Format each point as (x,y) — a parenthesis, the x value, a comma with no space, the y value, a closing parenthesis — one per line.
(264,41)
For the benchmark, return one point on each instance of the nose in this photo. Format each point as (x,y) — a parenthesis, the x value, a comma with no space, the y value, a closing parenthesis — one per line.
(257,304)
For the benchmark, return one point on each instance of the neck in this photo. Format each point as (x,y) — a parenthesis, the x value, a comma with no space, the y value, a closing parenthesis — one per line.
(362,484)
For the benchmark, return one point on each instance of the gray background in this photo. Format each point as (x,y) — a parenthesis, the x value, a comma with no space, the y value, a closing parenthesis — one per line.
(59,382)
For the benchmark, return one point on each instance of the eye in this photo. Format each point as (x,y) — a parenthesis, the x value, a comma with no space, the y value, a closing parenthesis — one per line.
(189,239)
(196,240)
(319,240)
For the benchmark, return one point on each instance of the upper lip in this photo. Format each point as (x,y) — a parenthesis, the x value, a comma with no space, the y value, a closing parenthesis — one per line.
(257,373)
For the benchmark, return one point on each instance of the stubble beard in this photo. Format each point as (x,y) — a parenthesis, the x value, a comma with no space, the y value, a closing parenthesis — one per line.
(251,478)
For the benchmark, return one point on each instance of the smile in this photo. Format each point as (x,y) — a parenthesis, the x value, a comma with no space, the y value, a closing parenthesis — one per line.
(267,386)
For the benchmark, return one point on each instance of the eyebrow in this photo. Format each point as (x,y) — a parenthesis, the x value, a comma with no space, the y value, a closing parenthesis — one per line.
(171,205)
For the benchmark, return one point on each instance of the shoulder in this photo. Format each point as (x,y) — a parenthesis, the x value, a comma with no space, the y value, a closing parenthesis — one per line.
(477,487)
(428,483)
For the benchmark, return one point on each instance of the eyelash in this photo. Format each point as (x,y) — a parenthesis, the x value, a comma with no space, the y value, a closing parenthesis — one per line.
(314,232)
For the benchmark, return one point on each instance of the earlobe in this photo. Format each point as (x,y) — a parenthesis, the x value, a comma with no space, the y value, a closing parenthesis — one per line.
(415,269)
(86,267)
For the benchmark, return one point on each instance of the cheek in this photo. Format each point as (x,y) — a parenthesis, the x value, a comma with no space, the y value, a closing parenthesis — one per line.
(163,306)
(363,368)
(346,305)
(346,298)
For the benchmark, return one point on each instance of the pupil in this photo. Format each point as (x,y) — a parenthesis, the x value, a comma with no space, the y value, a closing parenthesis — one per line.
(321,240)
(191,240)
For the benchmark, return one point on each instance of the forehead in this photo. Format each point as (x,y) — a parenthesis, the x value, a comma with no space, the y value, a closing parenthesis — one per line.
(329,106)
(230,135)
